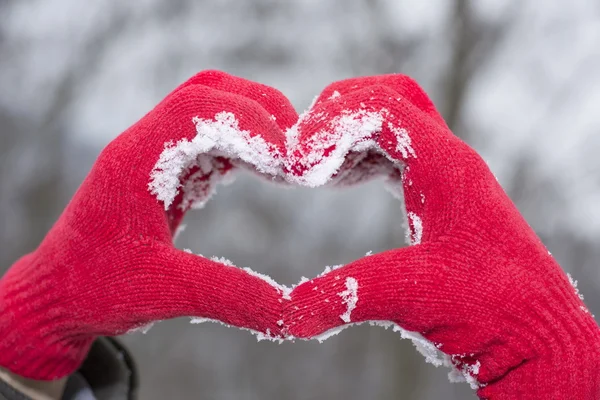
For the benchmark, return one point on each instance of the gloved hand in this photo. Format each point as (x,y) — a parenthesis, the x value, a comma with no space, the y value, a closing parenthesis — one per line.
(109,265)
(477,283)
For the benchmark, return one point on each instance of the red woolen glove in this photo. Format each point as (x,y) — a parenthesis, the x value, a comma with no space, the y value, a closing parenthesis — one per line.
(109,265)
(477,283)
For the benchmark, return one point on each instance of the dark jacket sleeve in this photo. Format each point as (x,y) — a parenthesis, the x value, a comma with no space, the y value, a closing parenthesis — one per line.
(108,372)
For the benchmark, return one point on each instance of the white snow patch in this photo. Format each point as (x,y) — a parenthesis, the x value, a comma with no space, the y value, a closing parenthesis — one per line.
(221,136)
(349,131)
(225,135)
(349,297)
(404,144)
(417,225)
(334,95)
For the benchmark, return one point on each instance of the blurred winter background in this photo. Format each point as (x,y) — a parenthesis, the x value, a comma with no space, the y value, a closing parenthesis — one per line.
(518,79)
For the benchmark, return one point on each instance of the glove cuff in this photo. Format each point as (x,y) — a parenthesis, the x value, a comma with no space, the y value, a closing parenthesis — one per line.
(28,361)
(37,338)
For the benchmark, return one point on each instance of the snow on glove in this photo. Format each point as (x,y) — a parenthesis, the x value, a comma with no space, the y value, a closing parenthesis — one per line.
(477,283)
(109,265)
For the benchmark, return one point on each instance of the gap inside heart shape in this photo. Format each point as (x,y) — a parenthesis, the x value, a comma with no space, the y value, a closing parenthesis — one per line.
(346,152)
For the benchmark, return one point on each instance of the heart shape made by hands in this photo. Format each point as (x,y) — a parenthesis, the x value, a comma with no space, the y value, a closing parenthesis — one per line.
(462,291)
(350,134)
(476,291)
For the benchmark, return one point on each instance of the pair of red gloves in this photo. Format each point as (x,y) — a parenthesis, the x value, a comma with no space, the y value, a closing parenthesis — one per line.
(477,284)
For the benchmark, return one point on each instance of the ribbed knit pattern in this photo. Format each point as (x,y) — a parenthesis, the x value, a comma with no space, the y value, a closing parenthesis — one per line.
(108,265)
(480,284)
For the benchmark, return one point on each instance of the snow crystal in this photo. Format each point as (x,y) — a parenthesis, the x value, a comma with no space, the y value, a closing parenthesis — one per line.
(475,368)
(201,320)
(349,297)
(221,136)
(222,260)
(334,95)
(369,253)
(417,225)
(574,284)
